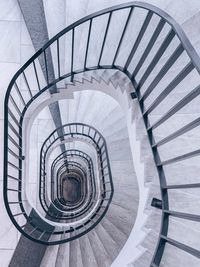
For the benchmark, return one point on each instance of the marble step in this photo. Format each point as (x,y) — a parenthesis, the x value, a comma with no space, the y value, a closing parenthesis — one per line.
(153,220)
(128,202)
(121,218)
(75,258)
(150,241)
(123,147)
(109,244)
(63,255)
(175,257)
(144,260)
(150,170)
(118,236)
(50,256)
(118,135)
(101,255)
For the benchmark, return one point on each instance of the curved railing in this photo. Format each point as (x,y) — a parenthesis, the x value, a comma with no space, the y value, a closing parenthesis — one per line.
(90,187)
(77,131)
(70,213)
(74,169)
(70,165)
(115,49)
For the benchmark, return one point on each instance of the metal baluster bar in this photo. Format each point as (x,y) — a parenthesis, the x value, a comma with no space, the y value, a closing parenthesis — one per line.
(15,106)
(149,46)
(13,129)
(139,38)
(88,41)
(104,39)
(122,36)
(13,141)
(173,58)
(72,56)
(18,214)
(181,246)
(14,190)
(180,158)
(14,154)
(58,57)
(46,67)
(31,232)
(14,118)
(179,132)
(13,178)
(182,186)
(156,58)
(19,93)
(170,87)
(187,99)
(27,84)
(42,234)
(182,215)
(15,202)
(14,166)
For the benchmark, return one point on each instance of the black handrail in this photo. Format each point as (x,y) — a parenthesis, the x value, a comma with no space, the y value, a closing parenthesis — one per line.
(87,205)
(75,130)
(76,169)
(72,207)
(90,168)
(16,116)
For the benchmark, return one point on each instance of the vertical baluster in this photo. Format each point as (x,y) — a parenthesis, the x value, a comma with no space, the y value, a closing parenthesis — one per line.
(46,67)
(58,57)
(104,39)
(88,41)
(139,38)
(72,56)
(122,36)
(36,75)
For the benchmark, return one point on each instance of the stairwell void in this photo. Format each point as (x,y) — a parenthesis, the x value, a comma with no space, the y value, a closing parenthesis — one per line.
(149,63)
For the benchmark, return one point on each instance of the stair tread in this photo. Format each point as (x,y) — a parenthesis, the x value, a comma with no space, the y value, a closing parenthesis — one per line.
(109,244)
(117,235)
(87,254)
(102,257)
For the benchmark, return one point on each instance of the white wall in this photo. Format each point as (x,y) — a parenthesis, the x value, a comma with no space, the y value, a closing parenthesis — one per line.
(15,49)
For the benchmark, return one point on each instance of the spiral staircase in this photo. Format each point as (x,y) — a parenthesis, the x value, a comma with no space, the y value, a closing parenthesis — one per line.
(101,144)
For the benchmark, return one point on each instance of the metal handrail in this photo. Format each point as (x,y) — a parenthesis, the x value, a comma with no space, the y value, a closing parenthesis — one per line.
(75,213)
(75,130)
(16,116)
(73,168)
(88,191)
(91,172)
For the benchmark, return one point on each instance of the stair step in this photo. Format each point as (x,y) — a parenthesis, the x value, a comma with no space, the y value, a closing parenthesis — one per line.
(123,147)
(150,170)
(144,260)
(88,257)
(121,218)
(101,256)
(153,220)
(118,236)
(108,243)
(150,241)
(175,257)
(74,253)
(62,259)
